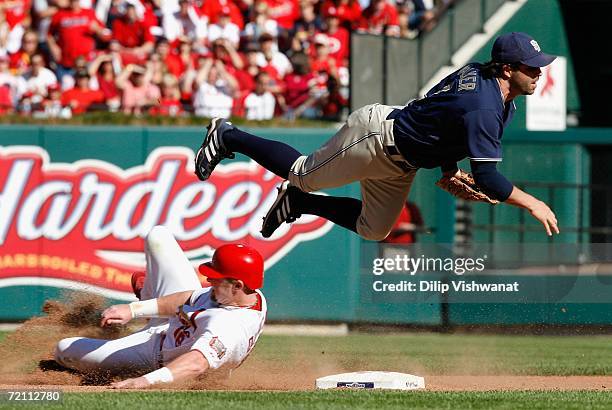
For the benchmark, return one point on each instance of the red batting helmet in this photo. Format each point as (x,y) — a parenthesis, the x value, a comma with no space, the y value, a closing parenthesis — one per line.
(236,261)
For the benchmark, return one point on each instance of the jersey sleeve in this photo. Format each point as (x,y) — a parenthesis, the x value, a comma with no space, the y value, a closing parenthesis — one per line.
(217,343)
(196,295)
(484,130)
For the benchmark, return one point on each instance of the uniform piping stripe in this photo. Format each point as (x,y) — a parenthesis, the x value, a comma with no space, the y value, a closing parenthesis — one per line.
(328,160)
(486,159)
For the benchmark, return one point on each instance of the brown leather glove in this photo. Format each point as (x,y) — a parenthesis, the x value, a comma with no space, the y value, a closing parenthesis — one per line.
(463,186)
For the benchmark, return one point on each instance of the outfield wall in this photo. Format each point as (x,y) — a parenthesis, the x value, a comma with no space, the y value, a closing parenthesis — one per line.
(76,203)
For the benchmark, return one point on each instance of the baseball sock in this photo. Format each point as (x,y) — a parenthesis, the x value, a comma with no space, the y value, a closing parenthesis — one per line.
(275,156)
(342,211)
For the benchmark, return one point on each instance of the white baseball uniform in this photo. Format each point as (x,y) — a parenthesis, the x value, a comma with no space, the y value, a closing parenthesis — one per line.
(225,335)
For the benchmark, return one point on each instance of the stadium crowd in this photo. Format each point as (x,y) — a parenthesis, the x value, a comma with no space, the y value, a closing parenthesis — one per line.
(250,58)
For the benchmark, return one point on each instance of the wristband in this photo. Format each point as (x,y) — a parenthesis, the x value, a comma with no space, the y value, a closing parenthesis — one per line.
(145,308)
(162,375)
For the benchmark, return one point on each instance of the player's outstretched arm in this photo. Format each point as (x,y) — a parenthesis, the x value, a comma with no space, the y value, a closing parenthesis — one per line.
(187,366)
(167,305)
(160,307)
(538,209)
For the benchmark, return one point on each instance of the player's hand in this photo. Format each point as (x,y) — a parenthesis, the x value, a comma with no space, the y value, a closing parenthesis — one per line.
(135,383)
(116,315)
(546,216)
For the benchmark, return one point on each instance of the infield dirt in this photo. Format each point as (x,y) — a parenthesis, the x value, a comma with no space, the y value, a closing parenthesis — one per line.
(35,341)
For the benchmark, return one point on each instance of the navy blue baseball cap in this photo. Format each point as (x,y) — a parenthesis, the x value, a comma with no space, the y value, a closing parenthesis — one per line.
(519,48)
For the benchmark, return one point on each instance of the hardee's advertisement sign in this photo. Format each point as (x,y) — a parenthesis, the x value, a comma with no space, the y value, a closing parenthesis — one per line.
(82,224)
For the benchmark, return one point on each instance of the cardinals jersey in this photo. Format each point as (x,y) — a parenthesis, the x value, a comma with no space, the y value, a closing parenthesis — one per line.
(225,335)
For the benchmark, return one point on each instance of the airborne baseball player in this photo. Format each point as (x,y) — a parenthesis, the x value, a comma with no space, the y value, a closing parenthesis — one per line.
(198,330)
(463,116)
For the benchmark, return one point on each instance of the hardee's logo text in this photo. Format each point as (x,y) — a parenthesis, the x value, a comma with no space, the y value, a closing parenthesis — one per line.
(85,221)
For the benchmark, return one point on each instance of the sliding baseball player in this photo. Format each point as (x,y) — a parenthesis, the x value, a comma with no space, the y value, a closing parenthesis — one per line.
(197,330)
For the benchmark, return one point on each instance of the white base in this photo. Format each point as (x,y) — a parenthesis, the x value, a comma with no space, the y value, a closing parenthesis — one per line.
(371,380)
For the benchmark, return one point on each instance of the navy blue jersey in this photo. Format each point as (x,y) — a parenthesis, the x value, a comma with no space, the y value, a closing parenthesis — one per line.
(463,116)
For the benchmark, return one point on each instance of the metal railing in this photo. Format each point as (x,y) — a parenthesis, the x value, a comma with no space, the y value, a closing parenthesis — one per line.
(590,225)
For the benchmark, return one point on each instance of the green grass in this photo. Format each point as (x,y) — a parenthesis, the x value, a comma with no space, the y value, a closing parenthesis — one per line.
(3,335)
(417,353)
(446,354)
(336,400)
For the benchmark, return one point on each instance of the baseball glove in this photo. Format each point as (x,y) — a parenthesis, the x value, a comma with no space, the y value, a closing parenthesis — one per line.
(463,186)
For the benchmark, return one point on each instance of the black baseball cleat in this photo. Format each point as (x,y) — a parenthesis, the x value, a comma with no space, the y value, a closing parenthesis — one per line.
(282,210)
(213,149)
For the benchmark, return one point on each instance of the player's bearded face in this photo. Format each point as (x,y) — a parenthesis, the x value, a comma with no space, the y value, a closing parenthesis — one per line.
(525,78)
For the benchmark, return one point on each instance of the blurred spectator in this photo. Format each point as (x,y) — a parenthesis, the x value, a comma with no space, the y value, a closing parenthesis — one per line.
(185,24)
(215,90)
(138,91)
(260,103)
(338,40)
(81,97)
(5,30)
(110,10)
(224,51)
(73,33)
(305,28)
(224,29)
(420,13)
(380,18)
(14,19)
(169,103)
(43,11)
(38,79)
(246,75)
(348,11)
(300,96)
(403,18)
(320,62)
(284,12)
(170,60)
(150,18)
(309,21)
(185,58)
(11,87)
(158,69)
(269,56)
(407,225)
(20,61)
(133,35)
(212,10)
(52,105)
(260,23)
(68,81)
(333,101)
(103,73)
